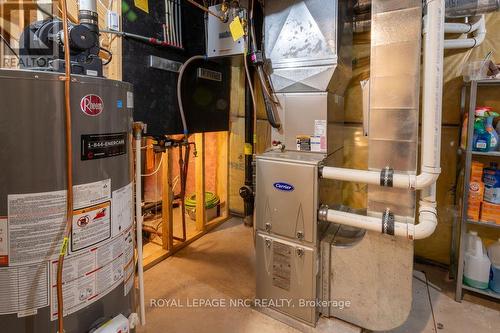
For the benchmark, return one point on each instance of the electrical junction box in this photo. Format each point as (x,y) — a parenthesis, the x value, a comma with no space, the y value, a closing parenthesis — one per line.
(220,42)
(113,21)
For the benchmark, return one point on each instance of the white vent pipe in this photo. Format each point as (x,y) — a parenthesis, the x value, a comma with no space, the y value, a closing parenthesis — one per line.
(431,147)
(460,43)
(463,28)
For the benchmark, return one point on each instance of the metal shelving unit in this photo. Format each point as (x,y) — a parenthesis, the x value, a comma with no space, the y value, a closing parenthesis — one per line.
(470,89)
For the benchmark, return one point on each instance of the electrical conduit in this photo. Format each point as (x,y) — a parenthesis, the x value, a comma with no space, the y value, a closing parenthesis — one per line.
(431,145)
(138,127)
(179,90)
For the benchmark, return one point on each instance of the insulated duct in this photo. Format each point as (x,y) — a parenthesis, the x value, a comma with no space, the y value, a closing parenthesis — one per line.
(390,204)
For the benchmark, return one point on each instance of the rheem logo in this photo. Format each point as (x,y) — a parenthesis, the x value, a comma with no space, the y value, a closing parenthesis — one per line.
(92,105)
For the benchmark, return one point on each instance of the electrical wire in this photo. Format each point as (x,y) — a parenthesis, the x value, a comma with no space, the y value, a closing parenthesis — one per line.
(205,9)
(109,53)
(69,167)
(156,170)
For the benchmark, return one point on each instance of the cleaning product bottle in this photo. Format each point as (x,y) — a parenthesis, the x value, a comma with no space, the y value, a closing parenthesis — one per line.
(497,128)
(470,239)
(477,264)
(488,126)
(494,255)
(491,179)
(481,140)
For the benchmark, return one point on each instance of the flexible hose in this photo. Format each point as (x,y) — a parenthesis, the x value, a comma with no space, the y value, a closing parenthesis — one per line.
(69,167)
(270,101)
(179,91)
(254,103)
(211,200)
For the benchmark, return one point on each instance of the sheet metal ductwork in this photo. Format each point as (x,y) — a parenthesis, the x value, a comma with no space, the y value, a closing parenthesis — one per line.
(308,44)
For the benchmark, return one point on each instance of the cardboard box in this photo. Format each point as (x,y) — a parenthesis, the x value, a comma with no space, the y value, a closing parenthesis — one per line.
(476,172)
(490,212)
(476,191)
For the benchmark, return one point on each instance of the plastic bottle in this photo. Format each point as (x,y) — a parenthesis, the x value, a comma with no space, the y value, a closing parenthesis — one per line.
(488,126)
(470,238)
(494,255)
(477,264)
(491,179)
(481,140)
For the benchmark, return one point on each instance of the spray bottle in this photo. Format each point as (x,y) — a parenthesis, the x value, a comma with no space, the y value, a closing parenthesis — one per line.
(488,126)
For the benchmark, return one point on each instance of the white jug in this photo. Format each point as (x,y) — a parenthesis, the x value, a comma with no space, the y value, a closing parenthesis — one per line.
(477,264)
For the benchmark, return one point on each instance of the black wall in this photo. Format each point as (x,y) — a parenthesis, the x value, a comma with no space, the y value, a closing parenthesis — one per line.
(206,103)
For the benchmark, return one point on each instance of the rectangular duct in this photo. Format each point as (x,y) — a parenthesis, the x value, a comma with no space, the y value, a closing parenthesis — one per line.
(394,99)
(308,45)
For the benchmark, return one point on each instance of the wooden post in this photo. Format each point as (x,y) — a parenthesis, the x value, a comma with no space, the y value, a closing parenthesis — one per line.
(167,223)
(200,182)
(222,180)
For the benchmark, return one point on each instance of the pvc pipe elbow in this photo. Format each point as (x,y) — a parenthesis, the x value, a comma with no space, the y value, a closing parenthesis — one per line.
(426,225)
(463,28)
(424,180)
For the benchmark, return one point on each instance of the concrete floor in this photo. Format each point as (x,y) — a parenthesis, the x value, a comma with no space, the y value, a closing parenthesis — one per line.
(221,266)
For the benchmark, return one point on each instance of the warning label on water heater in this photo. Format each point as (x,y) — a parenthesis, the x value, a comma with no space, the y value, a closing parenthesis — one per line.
(24,289)
(36,223)
(4,242)
(88,276)
(91,225)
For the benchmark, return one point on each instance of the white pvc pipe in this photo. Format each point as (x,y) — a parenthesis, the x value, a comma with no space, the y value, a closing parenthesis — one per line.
(461,43)
(405,181)
(462,28)
(425,227)
(138,220)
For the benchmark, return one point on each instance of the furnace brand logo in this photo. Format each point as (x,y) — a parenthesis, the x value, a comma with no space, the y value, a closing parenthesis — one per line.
(92,105)
(283,187)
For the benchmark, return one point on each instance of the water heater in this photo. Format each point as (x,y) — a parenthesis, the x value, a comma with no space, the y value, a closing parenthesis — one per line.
(99,269)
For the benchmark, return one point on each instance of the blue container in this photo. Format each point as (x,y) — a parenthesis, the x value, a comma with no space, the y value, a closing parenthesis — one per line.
(495,278)
(491,179)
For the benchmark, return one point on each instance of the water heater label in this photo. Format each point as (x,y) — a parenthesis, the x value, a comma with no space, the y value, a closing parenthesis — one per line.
(95,146)
(4,242)
(92,105)
(24,289)
(88,276)
(91,225)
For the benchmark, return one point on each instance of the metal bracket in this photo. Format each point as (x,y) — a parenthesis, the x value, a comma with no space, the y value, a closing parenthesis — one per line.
(164,64)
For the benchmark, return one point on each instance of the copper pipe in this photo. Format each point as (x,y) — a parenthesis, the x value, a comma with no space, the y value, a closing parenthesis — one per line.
(69,166)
